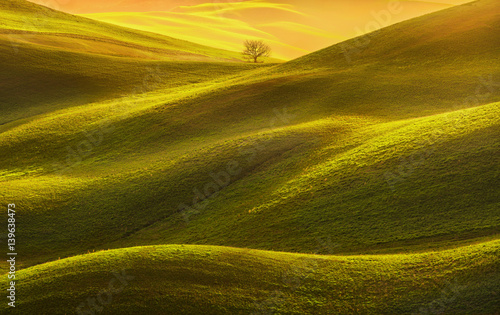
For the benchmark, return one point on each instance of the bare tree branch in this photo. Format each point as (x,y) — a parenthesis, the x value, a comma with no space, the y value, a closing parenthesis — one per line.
(254,49)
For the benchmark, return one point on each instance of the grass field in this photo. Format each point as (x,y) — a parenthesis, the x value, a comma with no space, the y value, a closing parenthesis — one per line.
(52,60)
(360,179)
(178,279)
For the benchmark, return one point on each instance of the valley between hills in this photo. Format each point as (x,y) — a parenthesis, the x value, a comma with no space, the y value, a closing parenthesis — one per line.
(154,175)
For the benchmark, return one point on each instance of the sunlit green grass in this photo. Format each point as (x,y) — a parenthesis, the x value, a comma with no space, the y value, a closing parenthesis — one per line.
(178,279)
(51,60)
(337,173)
(341,152)
(381,155)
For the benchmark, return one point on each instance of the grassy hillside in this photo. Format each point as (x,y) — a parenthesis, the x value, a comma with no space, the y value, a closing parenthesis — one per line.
(216,280)
(25,21)
(335,176)
(53,60)
(466,33)
(393,150)
(342,149)
(38,80)
(180,279)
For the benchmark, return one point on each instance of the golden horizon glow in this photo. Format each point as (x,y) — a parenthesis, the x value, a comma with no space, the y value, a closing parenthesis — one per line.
(293,28)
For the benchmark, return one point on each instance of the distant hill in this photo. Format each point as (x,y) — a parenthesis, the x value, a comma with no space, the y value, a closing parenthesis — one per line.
(94,6)
(52,59)
(293,28)
(24,22)
(464,33)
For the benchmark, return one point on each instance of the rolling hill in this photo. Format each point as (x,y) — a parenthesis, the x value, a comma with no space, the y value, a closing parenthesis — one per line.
(384,161)
(178,279)
(292,28)
(95,6)
(23,21)
(59,60)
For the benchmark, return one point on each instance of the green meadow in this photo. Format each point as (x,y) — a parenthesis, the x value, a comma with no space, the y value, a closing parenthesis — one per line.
(359,179)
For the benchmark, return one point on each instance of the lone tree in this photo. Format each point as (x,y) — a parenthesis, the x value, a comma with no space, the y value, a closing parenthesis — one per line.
(254,49)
